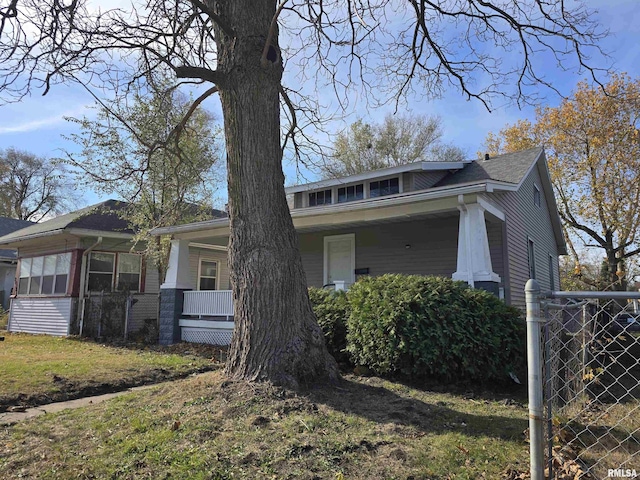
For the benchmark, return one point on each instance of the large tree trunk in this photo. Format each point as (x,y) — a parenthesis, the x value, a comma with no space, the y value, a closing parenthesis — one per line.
(276,337)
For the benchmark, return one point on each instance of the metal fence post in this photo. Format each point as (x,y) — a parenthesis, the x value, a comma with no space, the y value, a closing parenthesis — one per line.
(534,368)
(128,306)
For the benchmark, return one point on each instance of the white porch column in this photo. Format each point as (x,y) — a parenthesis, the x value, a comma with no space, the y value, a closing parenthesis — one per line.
(474,258)
(178,276)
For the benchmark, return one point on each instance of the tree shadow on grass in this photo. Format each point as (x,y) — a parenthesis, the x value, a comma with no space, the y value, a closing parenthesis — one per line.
(381,405)
(215,352)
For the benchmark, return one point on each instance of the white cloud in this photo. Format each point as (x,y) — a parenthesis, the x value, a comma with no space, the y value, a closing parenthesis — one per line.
(30,125)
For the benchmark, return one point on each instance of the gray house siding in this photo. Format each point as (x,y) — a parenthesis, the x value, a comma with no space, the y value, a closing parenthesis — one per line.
(423,180)
(151,278)
(524,221)
(496,247)
(433,248)
(407,182)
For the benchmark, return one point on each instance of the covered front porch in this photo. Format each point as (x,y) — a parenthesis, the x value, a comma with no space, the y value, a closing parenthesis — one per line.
(458,236)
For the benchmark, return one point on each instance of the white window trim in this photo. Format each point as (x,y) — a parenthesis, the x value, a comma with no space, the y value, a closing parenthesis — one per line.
(536,189)
(115,274)
(325,262)
(113,270)
(55,275)
(211,260)
(117,268)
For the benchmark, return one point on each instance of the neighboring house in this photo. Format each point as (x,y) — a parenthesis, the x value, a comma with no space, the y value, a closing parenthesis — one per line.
(8,259)
(492,223)
(69,263)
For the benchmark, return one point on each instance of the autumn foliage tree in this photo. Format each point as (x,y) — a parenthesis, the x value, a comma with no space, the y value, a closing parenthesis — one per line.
(383,49)
(593,148)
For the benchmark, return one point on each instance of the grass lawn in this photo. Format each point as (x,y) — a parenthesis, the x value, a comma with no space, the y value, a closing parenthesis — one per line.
(209,427)
(39,369)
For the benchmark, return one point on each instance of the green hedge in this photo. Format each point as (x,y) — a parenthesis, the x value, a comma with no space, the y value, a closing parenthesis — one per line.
(430,327)
(332,310)
(422,327)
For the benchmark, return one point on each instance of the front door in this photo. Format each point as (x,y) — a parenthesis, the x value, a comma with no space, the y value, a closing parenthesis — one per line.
(340,258)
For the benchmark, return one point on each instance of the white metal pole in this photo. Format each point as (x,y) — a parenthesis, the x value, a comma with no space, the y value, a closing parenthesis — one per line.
(534,366)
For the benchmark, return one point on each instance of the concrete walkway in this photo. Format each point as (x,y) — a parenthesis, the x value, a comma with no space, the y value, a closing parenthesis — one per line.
(10,418)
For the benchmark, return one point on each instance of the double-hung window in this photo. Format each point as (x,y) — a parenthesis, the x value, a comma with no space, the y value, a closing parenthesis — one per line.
(129,270)
(208,275)
(101,270)
(44,275)
(109,270)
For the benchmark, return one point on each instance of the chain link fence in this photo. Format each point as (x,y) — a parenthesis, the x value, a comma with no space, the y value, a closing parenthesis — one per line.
(120,315)
(588,374)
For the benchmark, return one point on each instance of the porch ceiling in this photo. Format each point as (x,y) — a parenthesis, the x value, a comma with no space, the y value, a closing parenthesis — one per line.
(222,241)
(379,221)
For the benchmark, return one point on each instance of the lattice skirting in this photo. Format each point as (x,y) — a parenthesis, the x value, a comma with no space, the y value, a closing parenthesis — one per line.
(213,336)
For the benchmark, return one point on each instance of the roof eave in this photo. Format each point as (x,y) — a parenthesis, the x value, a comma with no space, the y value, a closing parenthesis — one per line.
(87,232)
(190,227)
(430,194)
(77,232)
(14,242)
(410,167)
(552,204)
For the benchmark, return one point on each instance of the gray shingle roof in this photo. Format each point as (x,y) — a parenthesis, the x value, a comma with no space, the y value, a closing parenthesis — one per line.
(509,168)
(100,217)
(9,225)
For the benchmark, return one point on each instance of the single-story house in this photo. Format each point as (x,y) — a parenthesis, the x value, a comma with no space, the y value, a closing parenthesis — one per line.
(69,265)
(492,223)
(8,259)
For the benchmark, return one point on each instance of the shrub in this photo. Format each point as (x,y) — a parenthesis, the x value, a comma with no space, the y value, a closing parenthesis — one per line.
(4,318)
(332,309)
(433,327)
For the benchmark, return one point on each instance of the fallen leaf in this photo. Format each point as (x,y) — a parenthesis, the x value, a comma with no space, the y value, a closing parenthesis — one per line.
(463,450)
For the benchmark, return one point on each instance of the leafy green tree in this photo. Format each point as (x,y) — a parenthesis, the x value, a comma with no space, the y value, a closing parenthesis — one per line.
(132,149)
(32,187)
(489,51)
(398,140)
(593,148)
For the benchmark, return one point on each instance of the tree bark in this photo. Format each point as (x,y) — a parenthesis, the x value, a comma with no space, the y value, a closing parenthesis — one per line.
(276,336)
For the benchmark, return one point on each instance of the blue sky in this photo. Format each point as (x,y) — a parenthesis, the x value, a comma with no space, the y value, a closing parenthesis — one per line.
(36,124)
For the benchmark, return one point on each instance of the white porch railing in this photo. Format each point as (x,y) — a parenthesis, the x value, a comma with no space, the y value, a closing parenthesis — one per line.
(211,303)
